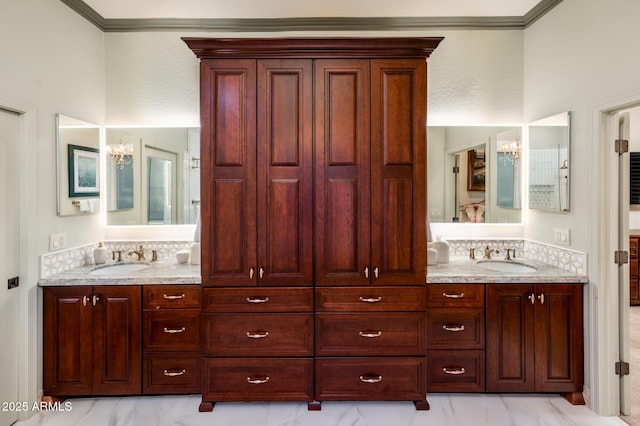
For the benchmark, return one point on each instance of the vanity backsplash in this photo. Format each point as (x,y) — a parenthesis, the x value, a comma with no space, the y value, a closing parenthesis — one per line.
(563,258)
(61,261)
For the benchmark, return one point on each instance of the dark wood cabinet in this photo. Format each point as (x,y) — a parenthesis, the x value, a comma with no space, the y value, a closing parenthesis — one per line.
(634,275)
(535,339)
(171,339)
(92,340)
(313,158)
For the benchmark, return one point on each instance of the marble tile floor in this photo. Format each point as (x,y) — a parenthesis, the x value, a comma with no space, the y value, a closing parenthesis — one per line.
(459,409)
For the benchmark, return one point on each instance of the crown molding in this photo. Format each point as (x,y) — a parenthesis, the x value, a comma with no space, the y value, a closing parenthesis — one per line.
(311,24)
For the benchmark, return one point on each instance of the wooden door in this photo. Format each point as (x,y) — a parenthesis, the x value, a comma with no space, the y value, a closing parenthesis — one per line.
(559,347)
(228,174)
(398,157)
(510,338)
(285,172)
(67,337)
(117,345)
(342,189)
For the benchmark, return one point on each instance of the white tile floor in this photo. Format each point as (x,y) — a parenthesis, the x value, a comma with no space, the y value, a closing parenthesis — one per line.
(460,409)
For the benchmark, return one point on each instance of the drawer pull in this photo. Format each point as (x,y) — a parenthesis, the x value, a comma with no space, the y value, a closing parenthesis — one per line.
(175,330)
(374,299)
(257,381)
(456,371)
(453,327)
(174,297)
(257,334)
(174,373)
(371,378)
(453,296)
(370,333)
(257,299)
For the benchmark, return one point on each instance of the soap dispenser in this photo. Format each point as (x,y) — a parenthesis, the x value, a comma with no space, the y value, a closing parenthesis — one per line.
(443,249)
(100,254)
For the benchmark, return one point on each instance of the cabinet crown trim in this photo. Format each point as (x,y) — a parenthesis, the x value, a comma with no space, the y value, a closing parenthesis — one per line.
(395,47)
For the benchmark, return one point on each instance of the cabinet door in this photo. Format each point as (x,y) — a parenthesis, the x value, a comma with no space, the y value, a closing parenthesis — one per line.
(67,350)
(510,338)
(117,347)
(559,338)
(398,156)
(342,191)
(285,172)
(228,174)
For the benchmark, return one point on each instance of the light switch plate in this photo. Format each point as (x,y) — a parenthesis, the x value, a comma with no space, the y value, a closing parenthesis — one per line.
(57,241)
(562,236)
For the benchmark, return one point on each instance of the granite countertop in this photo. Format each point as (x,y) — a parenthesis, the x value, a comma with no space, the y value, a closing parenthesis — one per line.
(465,270)
(164,271)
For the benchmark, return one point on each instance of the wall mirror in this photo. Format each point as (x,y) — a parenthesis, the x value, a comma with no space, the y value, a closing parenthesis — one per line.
(77,166)
(549,163)
(470,177)
(153,175)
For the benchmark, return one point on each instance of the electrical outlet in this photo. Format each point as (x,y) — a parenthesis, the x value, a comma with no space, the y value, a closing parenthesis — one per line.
(562,236)
(57,241)
(13,282)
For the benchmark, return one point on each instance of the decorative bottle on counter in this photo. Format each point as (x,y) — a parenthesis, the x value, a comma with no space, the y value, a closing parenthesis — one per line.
(100,254)
(443,249)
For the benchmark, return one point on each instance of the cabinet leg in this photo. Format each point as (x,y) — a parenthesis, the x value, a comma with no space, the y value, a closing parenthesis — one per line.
(575,398)
(206,407)
(314,406)
(421,405)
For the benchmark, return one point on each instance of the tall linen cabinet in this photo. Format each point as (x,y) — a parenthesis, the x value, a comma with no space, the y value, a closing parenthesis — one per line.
(313,219)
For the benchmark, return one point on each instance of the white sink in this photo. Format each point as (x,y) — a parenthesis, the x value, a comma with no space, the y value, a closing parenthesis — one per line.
(119,268)
(506,266)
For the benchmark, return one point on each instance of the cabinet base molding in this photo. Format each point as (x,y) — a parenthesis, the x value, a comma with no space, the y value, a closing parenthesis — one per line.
(575,398)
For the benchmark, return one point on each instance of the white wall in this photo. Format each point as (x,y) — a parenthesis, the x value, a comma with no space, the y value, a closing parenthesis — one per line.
(53,59)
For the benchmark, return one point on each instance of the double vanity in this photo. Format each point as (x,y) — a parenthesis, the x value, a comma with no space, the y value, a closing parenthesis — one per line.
(132,328)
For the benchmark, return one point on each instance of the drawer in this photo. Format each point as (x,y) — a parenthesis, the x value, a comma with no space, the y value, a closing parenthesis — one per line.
(455,328)
(171,297)
(397,333)
(167,373)
(367,379)
(455,295)
(258,299)
(253,335)
(370,298)
(171,330)
(255,379)
(455,371)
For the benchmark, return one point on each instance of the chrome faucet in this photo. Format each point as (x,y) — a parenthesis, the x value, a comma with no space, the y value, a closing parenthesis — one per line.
(488,251)
(139,252)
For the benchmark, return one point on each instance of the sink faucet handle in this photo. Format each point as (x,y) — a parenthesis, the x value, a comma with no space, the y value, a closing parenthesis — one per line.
(472,253)
(113,255)
(511,253)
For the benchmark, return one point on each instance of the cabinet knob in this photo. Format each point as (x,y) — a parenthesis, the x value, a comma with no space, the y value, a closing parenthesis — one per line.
(257,334)
(541,298)
(175,330)
(366,272)
(173,297)
(532,298)
(375,272)
(95,299)
(251,273)
(174,373)
(257,299)
(85,299)
(453,296)
(373,299)
(371,378)
(261,273)
(453,327)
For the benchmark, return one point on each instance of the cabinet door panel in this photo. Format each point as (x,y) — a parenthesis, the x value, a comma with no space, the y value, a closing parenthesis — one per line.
(228,177)
(117,353)
(67,337)
(398,156)
(510,338)
(285,172)
(559,338)
(342,114)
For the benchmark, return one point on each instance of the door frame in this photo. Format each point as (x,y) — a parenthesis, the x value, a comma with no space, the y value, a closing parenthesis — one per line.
(29,332)
(602,297)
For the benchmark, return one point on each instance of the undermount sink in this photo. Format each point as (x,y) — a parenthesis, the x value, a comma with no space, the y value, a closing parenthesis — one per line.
(506,266)
(119,268)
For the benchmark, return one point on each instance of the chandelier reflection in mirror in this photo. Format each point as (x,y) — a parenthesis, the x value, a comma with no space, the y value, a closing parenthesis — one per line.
(511,150)
(120,154)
